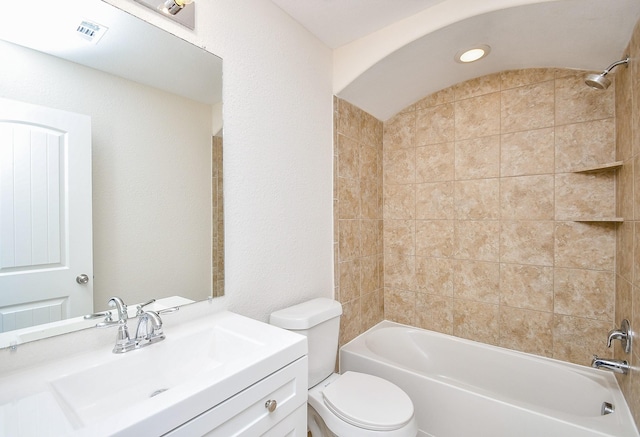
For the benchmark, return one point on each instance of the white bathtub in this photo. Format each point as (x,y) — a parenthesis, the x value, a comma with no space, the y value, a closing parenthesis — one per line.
(462,388)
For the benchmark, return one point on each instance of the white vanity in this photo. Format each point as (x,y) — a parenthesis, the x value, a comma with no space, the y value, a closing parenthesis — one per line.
(219,374)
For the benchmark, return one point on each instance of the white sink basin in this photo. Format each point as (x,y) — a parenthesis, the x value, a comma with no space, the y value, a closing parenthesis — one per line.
(144,373)
(151,390)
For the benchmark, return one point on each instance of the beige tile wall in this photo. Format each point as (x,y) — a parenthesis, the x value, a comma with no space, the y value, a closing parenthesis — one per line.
(627,303)
(218,217)
(479,206)
(358,218)
(478,200)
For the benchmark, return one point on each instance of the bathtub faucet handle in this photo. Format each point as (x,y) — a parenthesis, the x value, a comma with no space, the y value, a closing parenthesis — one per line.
(623,334)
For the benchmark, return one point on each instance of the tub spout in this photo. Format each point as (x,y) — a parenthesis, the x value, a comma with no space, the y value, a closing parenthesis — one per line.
(616,366)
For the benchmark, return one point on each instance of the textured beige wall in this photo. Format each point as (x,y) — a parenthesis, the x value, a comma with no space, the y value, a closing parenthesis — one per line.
(358,218)
(628,206)
(480,200)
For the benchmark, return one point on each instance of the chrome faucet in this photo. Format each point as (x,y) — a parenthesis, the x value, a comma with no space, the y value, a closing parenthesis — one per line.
(124,342)
(120,306)
(149,329)
(616,366)
(623,334)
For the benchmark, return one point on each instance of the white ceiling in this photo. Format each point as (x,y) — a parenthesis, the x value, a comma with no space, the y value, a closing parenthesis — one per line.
(338,22)
(130,47)
(580,34)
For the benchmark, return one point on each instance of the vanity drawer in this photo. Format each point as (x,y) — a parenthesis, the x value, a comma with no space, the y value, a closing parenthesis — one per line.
(294,425)
(246,413)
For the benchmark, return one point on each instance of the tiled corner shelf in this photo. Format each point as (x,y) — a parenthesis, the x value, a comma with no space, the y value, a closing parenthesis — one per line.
(610,166)
(598,219)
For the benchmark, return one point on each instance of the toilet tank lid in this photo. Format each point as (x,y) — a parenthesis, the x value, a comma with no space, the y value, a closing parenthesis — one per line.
(307,314)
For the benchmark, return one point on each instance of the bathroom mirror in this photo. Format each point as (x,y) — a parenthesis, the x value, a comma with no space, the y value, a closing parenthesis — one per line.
(154,101)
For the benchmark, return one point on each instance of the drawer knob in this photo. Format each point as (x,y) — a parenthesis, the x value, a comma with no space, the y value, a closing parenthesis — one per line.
(271,405)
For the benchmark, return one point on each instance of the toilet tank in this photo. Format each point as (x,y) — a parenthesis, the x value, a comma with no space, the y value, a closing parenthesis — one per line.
(318,320)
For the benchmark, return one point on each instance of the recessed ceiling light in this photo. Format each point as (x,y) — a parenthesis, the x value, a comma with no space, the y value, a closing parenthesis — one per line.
(472,54)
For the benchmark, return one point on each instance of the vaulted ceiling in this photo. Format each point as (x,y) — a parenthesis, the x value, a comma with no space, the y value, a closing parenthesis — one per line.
(390,53)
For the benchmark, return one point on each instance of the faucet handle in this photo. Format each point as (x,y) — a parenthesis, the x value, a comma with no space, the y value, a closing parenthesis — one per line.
(107,324)
(139,310)
(105,314)
(168,310)
(623,334)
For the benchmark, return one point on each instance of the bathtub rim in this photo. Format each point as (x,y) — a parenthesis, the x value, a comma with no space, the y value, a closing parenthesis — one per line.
(388,323)
(359,348)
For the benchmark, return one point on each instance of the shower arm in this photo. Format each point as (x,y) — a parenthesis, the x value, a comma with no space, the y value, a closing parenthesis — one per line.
(615,64)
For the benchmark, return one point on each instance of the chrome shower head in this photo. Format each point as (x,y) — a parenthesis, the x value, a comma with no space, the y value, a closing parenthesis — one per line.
(599,81)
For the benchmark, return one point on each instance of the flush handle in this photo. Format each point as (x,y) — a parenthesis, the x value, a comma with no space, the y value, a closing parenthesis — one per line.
(271,405)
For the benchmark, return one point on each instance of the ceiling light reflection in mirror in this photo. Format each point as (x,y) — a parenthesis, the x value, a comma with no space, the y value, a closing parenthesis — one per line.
(181,11)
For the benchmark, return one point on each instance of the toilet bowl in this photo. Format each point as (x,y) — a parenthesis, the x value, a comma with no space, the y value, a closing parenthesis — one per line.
(352,404)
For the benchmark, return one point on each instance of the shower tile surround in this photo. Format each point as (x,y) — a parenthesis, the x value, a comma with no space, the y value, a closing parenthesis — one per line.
(358,218)
(477,207)
(487,201)
(627,260)
(462,222)
(468,227)
(466,223)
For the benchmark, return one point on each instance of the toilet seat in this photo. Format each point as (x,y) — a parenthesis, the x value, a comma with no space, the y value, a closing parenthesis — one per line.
(368,402)
(365,396)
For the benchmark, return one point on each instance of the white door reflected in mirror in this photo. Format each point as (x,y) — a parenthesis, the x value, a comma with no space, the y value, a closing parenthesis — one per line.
(45,215)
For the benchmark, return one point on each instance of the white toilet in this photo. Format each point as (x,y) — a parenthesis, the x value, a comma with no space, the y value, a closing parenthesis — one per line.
(352,404)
